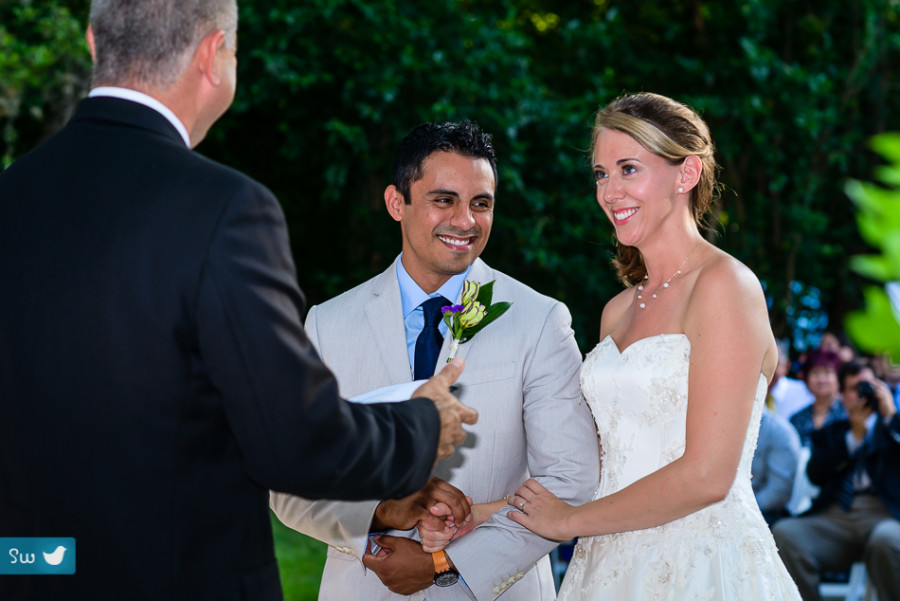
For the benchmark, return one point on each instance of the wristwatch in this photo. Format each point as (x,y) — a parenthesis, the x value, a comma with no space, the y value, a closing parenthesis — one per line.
(444,575)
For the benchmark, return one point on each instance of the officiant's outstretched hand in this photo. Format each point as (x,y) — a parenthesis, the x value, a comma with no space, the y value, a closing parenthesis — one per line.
(453,413)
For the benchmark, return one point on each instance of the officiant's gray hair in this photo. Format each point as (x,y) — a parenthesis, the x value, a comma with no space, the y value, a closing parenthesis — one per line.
(150,42)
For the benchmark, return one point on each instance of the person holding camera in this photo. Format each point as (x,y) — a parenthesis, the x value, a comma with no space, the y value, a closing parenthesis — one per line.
(856,462)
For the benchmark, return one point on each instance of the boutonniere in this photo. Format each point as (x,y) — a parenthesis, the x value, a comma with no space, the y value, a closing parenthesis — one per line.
(474,313)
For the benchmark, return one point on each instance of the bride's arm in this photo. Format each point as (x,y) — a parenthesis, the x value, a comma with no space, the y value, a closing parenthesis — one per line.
(731,343)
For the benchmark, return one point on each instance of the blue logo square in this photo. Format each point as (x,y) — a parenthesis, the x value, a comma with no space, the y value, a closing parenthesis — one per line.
(37,555)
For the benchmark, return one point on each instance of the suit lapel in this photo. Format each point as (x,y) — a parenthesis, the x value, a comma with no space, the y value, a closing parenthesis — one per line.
(482,274)
(385,317)
(384,313)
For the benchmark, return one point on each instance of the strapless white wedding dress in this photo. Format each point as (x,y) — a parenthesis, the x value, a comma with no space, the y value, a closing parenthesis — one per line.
(723,552)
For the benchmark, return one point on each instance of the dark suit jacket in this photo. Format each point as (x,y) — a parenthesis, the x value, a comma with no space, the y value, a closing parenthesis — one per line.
(830,462)
(155,377)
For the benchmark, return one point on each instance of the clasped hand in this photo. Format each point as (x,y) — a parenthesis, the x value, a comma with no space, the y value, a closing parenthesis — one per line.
(402,564)
(442,513)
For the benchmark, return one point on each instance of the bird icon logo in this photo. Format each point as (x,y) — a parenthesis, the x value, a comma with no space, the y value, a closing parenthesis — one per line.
(55,558)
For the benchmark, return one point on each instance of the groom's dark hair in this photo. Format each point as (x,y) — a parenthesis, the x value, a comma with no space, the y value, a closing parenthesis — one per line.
(464,138)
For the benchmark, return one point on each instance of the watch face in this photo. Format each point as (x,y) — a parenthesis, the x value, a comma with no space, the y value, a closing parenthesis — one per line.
(446,578)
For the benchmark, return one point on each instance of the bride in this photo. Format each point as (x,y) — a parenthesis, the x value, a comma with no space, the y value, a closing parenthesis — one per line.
(676,385)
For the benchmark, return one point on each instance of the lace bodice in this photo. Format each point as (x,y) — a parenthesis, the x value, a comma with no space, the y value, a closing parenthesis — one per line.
(639,399)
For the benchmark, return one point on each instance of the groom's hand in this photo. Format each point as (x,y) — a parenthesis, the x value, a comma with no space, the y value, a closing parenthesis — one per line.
(401,565)
(453,413)
(406,513)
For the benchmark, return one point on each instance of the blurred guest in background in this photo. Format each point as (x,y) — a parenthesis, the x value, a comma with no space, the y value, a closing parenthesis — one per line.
(856,462)
(838,344)
(820,374)
(889,372)
(787,395)
(774,465)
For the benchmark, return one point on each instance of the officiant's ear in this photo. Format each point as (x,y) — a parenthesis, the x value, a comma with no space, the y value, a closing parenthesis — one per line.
(89,36)
(394,202)
(208,58)
(691,168)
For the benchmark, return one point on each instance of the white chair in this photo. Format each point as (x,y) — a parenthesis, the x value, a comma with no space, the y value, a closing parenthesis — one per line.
(857,587)
(803,491)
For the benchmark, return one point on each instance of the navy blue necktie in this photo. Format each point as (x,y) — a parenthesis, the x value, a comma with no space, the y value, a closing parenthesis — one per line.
(847,492)
(428,344)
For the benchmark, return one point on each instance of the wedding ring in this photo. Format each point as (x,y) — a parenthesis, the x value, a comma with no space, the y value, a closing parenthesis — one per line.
(522,505)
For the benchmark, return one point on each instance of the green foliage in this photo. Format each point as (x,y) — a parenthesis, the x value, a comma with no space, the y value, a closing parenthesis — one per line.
(790,92)
(877,327)
(327,88)
(44,62)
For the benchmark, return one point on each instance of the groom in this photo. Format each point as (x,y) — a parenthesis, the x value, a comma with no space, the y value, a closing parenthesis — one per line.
(522,375)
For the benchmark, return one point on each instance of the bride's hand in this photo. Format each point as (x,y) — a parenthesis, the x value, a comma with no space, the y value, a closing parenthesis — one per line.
(434,539)
(541,511)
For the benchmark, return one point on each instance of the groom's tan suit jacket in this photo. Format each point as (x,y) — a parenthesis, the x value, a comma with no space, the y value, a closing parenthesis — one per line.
(522,375)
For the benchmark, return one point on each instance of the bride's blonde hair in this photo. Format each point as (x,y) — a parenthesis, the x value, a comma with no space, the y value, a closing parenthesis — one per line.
(668,129)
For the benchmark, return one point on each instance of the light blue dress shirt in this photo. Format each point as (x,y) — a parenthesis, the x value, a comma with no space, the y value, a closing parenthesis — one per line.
(412,295)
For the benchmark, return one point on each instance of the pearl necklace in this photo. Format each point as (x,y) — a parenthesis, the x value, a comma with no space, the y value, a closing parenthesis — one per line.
(640,294)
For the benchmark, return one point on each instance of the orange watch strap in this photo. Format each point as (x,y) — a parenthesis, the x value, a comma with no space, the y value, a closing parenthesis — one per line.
(440,562)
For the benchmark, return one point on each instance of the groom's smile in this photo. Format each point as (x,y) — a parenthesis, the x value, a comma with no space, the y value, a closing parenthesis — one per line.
(457,242)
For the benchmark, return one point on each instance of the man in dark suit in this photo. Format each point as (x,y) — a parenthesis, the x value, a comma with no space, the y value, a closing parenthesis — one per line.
(155,378)
(856,462)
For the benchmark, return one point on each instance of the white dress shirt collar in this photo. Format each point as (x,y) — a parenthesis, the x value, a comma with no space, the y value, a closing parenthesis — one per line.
(148,101)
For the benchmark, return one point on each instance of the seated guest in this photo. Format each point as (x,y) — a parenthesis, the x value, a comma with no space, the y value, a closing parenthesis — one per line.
(820,374)
(774,465)
(856,462)
(888,371)
(787,395)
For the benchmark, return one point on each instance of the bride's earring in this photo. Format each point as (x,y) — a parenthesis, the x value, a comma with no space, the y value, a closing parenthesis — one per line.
(680,189)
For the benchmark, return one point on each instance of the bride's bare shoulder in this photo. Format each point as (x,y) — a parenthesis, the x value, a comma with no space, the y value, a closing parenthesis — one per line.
(615,309)
(728,296)
(724,278)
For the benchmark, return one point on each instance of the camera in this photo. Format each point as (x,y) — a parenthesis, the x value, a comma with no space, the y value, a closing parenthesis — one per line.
(866,392)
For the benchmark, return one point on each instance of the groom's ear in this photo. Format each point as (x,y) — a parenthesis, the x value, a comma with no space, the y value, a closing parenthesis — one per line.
(394,202)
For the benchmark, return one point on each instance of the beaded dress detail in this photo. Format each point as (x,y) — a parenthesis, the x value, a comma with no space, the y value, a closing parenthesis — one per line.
(723,552)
